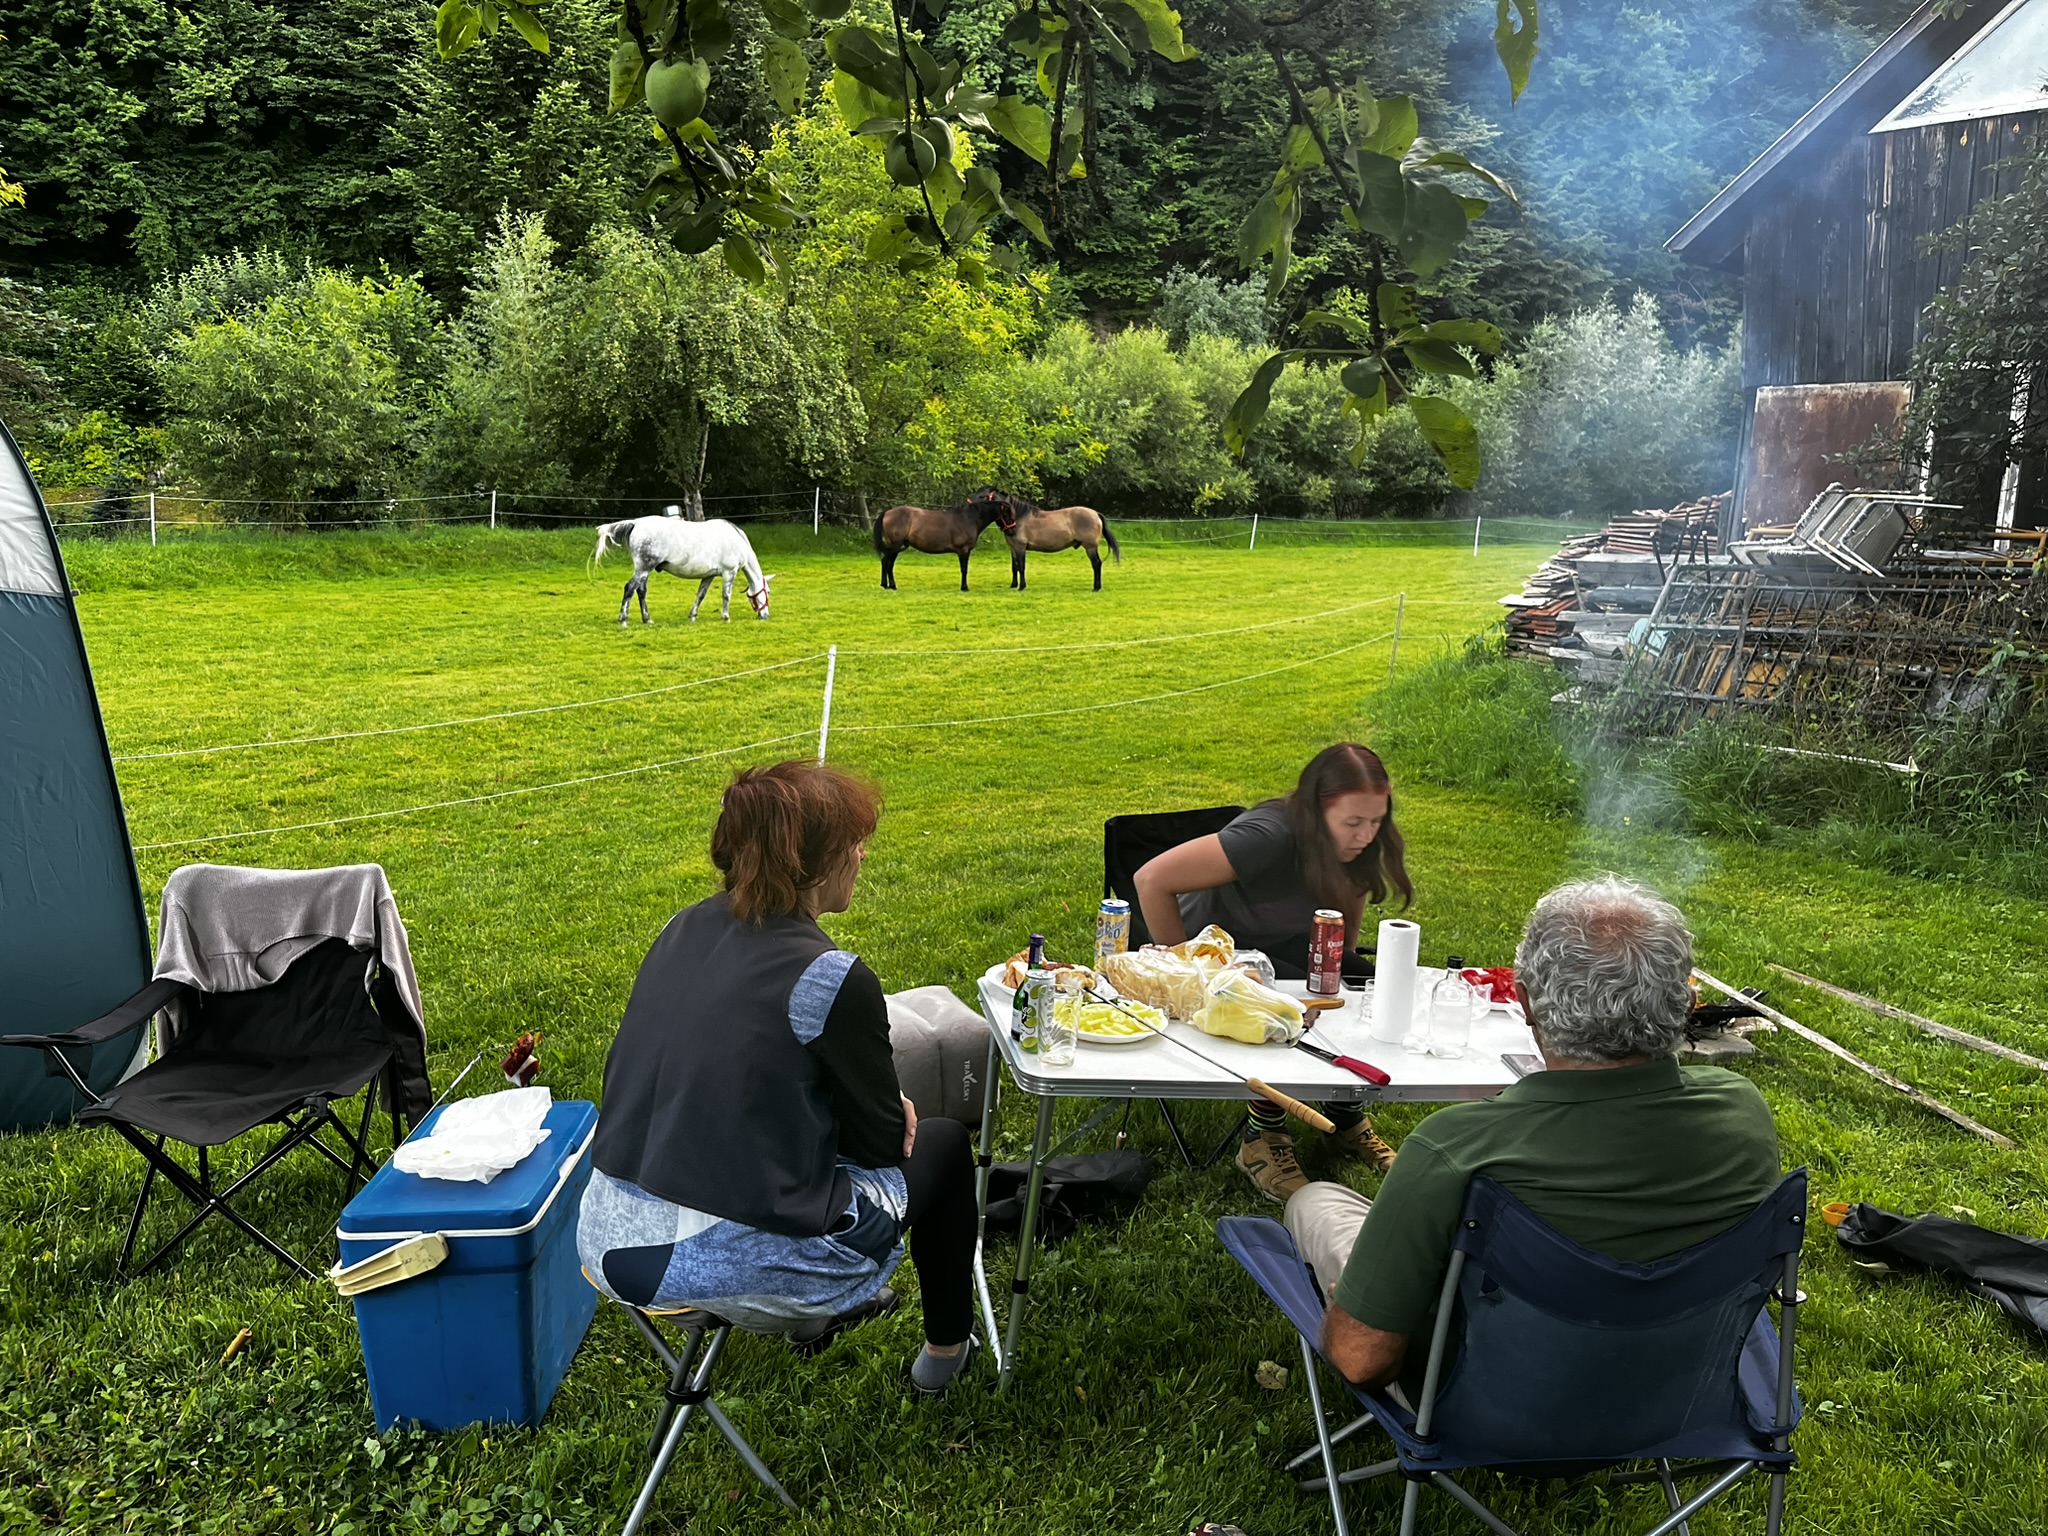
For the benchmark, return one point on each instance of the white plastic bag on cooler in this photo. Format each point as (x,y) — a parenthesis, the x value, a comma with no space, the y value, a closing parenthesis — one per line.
(477,1139)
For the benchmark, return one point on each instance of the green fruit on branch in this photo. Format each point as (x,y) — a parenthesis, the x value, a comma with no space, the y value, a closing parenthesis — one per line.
(676,89)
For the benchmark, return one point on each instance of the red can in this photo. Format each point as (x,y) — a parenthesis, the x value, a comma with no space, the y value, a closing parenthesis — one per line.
(1326,953)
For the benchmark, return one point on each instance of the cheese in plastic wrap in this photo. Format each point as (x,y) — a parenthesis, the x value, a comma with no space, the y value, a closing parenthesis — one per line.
(1239,1008)
(1159,977)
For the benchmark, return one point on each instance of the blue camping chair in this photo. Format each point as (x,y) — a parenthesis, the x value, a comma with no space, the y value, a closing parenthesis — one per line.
(1568,1361)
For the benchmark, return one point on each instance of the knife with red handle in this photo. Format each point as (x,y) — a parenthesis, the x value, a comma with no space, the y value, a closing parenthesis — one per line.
(1364,1069)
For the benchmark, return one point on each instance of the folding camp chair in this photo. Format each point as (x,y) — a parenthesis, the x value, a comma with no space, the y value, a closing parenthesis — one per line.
(1567,1361)
(690,1371)
(279,1055)
(1128,844)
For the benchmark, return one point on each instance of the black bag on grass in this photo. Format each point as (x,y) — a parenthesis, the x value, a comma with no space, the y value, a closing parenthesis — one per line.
(2012,1271)
(1088,1184)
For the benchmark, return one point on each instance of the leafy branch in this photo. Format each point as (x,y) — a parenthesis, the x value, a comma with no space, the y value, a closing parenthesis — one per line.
(1401,193)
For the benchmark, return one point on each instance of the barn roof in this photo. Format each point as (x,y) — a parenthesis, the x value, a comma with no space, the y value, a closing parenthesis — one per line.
(1924,44)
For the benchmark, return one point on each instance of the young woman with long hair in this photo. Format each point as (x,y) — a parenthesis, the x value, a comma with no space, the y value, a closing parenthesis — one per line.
(1330,844)
(756,1156)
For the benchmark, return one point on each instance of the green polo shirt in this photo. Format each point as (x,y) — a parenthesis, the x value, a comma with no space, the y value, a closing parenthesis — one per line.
(1638,1162)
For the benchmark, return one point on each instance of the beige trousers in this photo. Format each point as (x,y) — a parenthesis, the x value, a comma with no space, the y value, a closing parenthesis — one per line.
(1323,1218)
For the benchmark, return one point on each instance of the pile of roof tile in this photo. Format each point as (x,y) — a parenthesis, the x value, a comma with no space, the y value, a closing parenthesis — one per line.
(1558,598)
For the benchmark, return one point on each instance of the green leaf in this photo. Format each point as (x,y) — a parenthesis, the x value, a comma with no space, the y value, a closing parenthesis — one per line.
(889,239)
(698,231)
(1427,356)
(710,28)
(1451,433)
(1302,153)
(1434,231)
(744,260)
(1261,231)
(787,72)
(860,105)
(1249,408)
(787,18)
(865,56)
(1386,195)
(1162,30)
(1395,129)
(1516,46)
(929,75)
(676,89)
(457,25)
(1466,333)
(629,70)
(1350,325)
(1362,376)
(1451,160)
(528,26)
(1024,124)
(1395,304)
(492,16)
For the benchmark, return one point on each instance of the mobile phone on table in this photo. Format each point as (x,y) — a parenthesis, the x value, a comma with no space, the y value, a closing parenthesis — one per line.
(1521,1063)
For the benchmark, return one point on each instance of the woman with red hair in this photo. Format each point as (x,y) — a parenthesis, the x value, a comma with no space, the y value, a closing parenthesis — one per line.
(756,1157)
(1330,844)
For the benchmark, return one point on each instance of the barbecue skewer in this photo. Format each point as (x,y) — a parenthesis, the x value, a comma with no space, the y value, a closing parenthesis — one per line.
(1288,1102)
(1926,1101)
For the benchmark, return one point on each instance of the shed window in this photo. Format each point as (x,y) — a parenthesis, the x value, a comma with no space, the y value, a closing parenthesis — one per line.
(2002,69)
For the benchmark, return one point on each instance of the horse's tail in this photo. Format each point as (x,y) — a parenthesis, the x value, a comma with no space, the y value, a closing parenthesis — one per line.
(609,534)
(1110,538)
(881,544)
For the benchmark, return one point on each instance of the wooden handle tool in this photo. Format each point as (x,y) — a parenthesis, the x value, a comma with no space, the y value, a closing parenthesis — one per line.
(1293,1106)
(1315,1005)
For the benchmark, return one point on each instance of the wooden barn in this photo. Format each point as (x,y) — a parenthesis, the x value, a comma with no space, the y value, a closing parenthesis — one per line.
(1827,230)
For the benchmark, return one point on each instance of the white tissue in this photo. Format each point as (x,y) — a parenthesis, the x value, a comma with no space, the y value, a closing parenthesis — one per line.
(477,1139)
(1393,982)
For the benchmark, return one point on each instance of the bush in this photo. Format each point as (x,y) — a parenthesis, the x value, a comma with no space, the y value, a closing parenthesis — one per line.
(1195,304)
(1600,413)
(318,392)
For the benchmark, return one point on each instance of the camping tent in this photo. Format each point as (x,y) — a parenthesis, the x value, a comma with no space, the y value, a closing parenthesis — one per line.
(74,939)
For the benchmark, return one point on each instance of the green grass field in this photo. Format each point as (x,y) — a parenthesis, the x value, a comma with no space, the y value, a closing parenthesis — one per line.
(1136,1409)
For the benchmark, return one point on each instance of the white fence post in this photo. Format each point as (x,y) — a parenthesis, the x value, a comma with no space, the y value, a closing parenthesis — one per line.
(1394,655)
(494,509)
(1476,522)
(152,519)
(817,503)
(1255,533)
(825,718)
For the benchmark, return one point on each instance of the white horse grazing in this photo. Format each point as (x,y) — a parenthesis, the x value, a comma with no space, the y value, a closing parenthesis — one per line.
(706,551)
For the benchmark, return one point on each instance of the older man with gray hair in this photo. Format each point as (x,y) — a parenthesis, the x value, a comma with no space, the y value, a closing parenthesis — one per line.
(1614,1144)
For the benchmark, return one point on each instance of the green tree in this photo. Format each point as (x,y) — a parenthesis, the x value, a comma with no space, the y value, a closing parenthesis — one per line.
(315,394)
(624,375)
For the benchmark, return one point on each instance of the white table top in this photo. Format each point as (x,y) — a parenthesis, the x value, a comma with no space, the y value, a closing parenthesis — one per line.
(1159,1069)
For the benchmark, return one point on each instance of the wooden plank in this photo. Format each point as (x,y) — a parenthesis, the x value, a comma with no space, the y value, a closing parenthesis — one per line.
(1926,1101)
(1928,1026)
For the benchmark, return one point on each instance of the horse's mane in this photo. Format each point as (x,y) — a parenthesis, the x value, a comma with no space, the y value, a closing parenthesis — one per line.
(1018,505)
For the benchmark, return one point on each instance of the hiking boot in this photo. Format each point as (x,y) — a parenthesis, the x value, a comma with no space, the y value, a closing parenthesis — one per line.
(1362,1141)
(1267,1158)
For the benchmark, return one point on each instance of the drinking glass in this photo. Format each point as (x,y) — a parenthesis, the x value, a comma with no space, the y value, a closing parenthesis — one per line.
(1056,1026)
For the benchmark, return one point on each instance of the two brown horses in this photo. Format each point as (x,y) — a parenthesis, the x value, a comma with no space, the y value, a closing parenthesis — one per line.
(955,530)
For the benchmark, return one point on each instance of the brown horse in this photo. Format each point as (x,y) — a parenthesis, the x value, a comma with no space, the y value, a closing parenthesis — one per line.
(938,531)
(1049,530)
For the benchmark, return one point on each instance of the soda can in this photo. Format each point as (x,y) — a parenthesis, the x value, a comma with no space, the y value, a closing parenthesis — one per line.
(1326,953)
(1112,929)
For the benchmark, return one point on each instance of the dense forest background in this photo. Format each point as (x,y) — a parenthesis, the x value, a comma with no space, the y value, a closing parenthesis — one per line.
(275,251)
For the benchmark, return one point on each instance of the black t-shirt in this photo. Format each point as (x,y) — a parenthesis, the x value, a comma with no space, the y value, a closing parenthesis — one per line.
(1267,906)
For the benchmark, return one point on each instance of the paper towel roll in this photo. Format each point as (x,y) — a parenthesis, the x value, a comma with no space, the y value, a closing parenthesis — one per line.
(1393,984)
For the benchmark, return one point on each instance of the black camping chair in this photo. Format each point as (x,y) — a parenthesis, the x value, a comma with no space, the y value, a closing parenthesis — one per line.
(333,1025)
(1131,842)
(1128,844)
(1567,1361)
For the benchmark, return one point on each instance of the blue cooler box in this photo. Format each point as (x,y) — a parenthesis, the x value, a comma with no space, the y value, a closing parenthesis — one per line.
(488,1334)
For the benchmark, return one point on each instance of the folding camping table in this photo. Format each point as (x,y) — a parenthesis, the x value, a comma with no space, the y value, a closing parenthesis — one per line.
(1159,1069)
